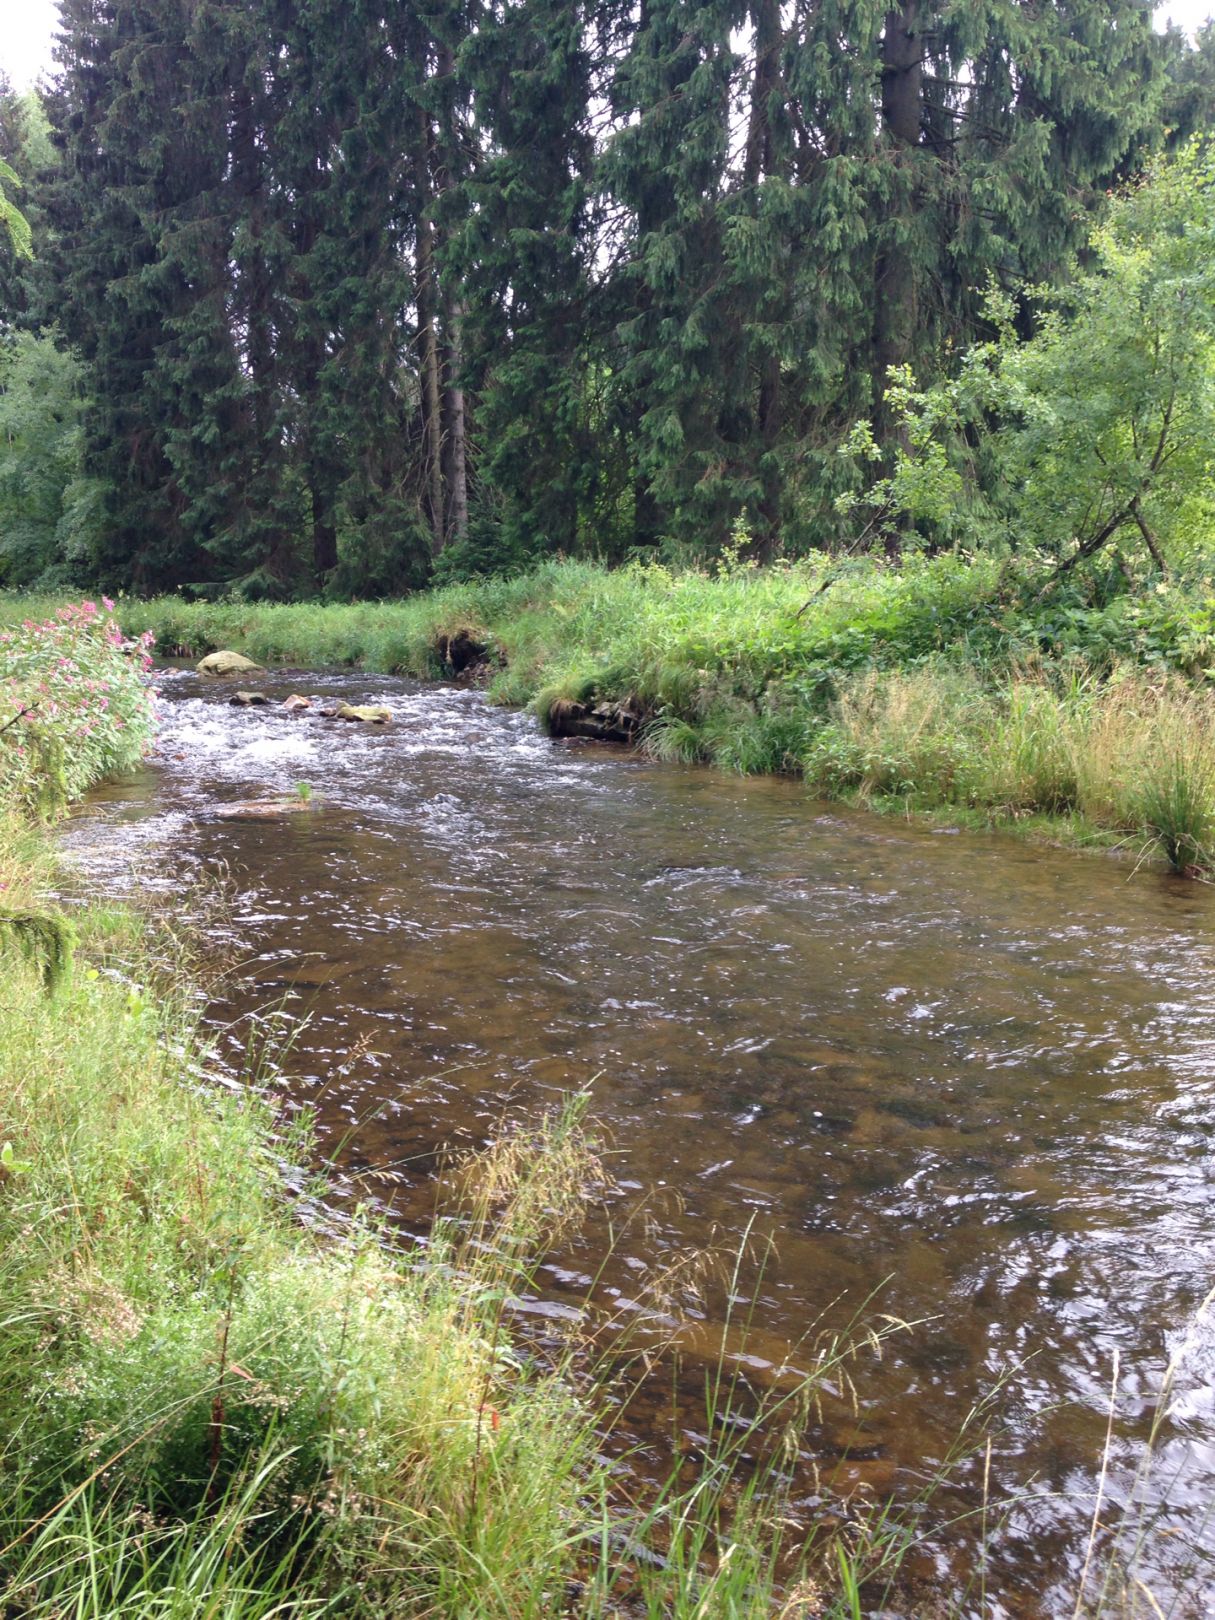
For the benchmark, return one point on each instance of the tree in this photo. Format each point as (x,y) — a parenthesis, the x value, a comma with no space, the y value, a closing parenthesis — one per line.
(1189,101)
(47,509)
(520,248)
(355,283)
(11,217)
(1099,425)
(819,193)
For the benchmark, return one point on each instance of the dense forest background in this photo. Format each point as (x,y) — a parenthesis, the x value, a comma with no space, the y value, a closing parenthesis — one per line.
(343,296)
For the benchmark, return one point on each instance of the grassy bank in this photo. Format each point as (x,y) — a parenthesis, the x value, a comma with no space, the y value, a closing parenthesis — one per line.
(937,685)
(209,1407)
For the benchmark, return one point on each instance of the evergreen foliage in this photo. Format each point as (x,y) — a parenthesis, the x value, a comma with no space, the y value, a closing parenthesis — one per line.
(48,510)
(362,291)
(44,940)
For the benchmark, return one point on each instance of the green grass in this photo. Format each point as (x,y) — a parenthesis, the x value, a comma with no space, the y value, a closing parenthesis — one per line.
(935,685)
(205,1403)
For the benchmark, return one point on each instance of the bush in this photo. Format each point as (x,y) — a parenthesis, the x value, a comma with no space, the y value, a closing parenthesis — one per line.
(79,705)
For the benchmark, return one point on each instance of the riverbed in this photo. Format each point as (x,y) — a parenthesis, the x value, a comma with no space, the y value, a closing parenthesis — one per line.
(956,1080)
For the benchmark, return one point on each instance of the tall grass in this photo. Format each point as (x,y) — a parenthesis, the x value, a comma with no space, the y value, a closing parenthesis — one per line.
(1134,754)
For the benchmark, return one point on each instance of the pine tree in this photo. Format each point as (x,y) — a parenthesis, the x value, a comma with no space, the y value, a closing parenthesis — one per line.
(520,253)
(1189,101)
(892,160)
(113,108)
(1001,127)
(354,283)
(676,348)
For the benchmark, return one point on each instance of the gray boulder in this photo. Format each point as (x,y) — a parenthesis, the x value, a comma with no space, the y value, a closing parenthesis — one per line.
(225,663)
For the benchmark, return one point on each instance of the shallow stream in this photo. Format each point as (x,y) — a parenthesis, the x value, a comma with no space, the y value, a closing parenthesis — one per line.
(957,1079)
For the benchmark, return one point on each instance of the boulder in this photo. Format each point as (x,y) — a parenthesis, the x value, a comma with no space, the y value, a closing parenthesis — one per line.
(366,713)
(296,704)
(248,700)
(225,663)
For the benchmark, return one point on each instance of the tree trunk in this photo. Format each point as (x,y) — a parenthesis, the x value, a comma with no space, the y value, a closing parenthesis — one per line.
(759,154)
(902,95)
(895,300)
(647,519)
(1149,539)
(324,527)
(759,161)
(426,299)
(767,530)
(456,417)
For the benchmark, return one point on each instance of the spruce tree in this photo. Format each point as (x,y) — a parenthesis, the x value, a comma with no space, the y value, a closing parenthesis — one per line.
(520,252)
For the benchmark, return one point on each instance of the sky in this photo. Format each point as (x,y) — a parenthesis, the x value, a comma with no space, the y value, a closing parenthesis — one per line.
(27,31)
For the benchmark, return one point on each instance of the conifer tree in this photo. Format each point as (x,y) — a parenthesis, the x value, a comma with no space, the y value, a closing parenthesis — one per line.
(520,255)
(114,107)
(356,282)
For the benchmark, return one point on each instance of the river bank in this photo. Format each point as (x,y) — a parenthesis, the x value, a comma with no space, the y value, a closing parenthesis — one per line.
(208,1405)
(941,687)
(817,1021)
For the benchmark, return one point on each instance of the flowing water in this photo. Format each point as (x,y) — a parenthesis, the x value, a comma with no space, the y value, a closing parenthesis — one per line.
(958,1080)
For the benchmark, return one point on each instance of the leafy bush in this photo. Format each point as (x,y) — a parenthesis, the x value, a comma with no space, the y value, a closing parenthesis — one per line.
(79,704)
(1096,428)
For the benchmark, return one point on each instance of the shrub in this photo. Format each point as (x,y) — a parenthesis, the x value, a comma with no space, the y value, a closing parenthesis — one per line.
(79,705)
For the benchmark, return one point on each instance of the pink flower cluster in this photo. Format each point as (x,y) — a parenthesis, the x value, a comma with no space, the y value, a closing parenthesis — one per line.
(80,695)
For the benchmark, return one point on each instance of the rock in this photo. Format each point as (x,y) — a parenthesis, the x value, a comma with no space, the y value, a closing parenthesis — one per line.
(225,663)
(296,704)
(260,809)
(602,722)
(248,700)
(365,713)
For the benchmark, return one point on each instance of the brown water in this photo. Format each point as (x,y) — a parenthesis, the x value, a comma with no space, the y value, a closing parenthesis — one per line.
(958,1080)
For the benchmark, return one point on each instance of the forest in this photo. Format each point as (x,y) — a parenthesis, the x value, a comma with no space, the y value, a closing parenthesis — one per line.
(341,299)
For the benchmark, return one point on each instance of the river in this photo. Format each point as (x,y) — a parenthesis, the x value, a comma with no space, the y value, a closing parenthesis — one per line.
(957,1079)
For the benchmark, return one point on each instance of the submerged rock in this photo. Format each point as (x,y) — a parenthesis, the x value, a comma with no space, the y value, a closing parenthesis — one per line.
(296,704)
(225,663)
(261,809)
(248,700)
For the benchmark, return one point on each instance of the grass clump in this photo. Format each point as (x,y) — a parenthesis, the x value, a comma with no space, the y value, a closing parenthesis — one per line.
(1134,754)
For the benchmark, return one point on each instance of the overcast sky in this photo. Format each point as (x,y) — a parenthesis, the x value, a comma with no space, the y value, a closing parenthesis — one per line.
(28,27)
